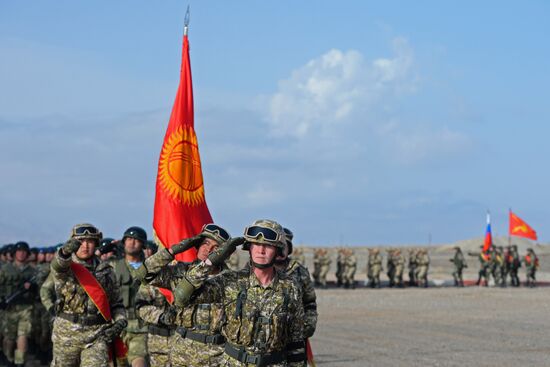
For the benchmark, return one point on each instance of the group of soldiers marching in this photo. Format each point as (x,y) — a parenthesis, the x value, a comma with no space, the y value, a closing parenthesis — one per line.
(396,265)
(498,263)
(103,302)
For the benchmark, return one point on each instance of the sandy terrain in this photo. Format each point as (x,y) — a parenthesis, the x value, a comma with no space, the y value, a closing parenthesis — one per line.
(471,326)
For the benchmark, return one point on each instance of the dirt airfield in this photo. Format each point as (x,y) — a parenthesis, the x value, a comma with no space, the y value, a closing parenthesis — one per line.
(437,326)
(469,326)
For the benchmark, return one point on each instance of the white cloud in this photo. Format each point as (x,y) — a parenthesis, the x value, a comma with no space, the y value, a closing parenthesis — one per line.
(336,87)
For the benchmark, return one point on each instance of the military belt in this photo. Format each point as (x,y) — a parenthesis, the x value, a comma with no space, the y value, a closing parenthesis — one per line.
(241,355)
(296,345)
(82,320)
(160,330)
(216,339)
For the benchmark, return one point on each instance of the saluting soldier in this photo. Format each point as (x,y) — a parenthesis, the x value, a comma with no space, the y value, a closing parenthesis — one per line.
(197,340)
(263,306)
(89,310)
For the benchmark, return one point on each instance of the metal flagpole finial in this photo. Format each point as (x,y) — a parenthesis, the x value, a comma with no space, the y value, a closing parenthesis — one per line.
(186,21)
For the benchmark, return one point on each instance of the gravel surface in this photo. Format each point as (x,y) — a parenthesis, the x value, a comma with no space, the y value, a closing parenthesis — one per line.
(470,326)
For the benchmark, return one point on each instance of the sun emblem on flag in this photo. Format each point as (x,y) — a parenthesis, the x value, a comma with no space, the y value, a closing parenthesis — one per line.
(180,173)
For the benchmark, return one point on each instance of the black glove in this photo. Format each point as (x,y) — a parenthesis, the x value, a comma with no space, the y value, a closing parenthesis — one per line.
(70,247)
(218,256)
(186,244)
(112,332)
(168,317)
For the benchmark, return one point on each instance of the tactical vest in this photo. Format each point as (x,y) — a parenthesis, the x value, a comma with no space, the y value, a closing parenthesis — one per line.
(253,325)
(128,286)
(13,279)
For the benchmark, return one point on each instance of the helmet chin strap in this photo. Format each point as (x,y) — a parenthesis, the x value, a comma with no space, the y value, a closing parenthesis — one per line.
(263,266)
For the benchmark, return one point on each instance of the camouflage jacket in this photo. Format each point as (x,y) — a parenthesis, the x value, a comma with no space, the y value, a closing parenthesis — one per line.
(309,299)
(72,298)
(424,260)
(458,260)
(350,261)
(150,304)
(375,259)
(205,318)
(257,318)
(12,278)
(47,292)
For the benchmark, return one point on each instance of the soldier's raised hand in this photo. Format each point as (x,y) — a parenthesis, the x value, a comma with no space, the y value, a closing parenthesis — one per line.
(222,253)
(186,244)
(71,246)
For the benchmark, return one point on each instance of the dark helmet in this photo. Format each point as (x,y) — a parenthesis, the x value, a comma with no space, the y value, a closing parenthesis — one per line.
(106,245)
(21,245)
(289,236)
(42,250)
(151,245)
(135,232)
(10,249)
(34,250)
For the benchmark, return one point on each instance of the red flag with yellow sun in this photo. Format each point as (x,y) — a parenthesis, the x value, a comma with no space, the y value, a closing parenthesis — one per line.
(520,228)
(180,204)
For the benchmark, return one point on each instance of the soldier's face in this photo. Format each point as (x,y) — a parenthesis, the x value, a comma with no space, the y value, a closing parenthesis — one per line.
(40,257)
(207,246)
(49,257)
(132,246)
(86,249)
(262,254)
(21,255)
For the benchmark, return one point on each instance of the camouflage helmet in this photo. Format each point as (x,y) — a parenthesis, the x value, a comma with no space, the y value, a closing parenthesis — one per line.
(22,245)
(266,232)
(135,232)
(86,231)
(214,232)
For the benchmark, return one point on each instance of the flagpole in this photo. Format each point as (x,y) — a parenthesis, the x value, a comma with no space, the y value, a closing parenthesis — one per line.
(509,235)
(186,21)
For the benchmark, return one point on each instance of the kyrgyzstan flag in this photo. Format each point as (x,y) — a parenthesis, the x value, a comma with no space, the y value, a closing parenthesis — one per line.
(519,228)
(180,204)
(488,235)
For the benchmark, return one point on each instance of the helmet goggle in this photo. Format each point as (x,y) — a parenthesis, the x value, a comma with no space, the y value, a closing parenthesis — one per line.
(86,230)
(267,234)
(216,231)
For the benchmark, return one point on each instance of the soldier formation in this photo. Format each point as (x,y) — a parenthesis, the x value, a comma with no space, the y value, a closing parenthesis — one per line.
(96,301)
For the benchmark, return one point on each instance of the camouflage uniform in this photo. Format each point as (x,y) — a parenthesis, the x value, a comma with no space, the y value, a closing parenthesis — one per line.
(498,267)
(531,262)
(399,264)
(324,267)
(316,267)
(413,282)
(484,266)
(340,264)
(135,335)
(423,266)
(41,320)
(459,264)
(78,323)
(259,320)
(374,268)
(197,341)
(390,267)
(298,255)
(151,304)
(18,314)
(514,265)
(350,266)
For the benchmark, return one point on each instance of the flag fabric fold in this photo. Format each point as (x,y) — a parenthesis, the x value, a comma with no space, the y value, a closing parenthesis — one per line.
(180,203)
(519,228)
(488,242)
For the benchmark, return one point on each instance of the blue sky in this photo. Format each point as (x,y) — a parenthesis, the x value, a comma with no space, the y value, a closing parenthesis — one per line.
(350,122)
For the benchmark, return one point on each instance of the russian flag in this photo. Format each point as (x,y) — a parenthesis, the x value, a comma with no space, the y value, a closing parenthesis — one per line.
(488,236)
